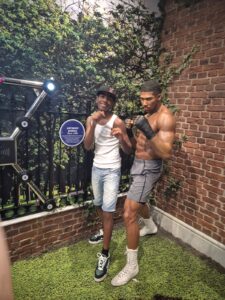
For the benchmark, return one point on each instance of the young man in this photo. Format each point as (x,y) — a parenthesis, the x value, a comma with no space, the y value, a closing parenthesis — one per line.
(105,132)
(154,141)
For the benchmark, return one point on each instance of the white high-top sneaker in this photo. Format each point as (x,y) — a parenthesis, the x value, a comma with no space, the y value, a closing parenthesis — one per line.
(149,227)
(130,270)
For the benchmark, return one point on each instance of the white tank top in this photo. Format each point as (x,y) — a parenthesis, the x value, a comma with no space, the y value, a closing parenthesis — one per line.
(106,146)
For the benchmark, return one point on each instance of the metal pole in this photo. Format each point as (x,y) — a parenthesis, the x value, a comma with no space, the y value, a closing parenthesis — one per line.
(23,82)
(29,113)
(32,185)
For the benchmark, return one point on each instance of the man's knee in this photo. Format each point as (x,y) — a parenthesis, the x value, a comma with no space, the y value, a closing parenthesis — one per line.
(129,216)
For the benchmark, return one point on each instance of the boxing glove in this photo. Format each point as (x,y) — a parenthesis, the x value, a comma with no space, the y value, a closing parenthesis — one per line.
(142,124)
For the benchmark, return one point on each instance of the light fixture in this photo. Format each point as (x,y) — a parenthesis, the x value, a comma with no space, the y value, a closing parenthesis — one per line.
(8,145)
(49,86)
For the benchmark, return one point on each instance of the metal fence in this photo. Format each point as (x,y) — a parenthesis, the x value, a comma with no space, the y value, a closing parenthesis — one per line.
(62,173)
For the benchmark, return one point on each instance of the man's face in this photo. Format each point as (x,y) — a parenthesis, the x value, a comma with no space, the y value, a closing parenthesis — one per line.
(105,102)
(149,101)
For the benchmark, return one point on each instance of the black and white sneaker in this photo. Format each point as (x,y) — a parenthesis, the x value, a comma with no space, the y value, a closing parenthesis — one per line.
(102,267)
(96,238)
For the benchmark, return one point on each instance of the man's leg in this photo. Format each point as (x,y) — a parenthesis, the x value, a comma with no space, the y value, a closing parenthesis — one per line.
(103,257)
(149,225)
(98,237)
(111,186)
(131,209)
(151,179)
(107,228)
(131,268)
(97,185)
(144,211)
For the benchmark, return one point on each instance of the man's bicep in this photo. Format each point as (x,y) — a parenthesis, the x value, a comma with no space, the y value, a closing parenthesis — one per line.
(167,136)
(167,129)
(120,124)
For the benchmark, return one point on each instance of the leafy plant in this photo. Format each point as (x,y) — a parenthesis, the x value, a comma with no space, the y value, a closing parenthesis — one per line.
(178,142)
(173,185)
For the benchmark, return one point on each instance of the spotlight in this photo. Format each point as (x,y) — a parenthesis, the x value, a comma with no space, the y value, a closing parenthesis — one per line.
(49,86)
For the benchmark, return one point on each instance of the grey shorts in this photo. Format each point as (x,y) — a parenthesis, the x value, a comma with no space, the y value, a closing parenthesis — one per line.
(144,174)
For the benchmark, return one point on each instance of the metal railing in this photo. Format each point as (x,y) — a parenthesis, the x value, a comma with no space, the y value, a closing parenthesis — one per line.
(61,173)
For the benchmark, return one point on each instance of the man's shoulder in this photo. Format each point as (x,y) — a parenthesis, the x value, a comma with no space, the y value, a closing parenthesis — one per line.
(166,118)
(118,123)
(165,109)
(117,119)
(166,112)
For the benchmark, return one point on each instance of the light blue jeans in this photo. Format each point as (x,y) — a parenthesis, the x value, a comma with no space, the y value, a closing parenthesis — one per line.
(105,184)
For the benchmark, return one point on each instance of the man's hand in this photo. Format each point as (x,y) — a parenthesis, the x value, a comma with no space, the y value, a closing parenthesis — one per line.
(129,123)
(97,116)
(117,132)
(142,124)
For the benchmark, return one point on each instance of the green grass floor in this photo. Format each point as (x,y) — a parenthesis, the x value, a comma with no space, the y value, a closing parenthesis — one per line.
(166,268)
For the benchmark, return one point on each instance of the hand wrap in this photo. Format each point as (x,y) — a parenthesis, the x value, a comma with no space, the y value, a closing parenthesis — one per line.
(142,124)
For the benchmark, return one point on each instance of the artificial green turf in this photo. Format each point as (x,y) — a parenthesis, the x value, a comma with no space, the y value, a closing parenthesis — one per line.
(166,268)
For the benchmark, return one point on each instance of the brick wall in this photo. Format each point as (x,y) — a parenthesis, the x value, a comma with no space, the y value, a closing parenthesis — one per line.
(200,94)
(39,233)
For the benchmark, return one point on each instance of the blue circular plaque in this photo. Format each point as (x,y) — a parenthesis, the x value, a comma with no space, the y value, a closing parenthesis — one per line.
(72,133)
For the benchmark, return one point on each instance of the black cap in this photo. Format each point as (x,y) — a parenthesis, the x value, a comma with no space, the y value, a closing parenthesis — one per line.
(107,90)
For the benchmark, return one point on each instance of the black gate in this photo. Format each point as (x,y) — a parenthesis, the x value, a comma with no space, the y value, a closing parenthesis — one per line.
(61,173)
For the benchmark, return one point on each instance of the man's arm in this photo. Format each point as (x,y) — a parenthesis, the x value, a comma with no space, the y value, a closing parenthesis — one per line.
(89,135)
(129,129)
(162,142)
(120,132)
(90,129)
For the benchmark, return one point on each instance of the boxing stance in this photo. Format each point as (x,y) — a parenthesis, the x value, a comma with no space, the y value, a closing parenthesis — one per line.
(106,133)
(153,142)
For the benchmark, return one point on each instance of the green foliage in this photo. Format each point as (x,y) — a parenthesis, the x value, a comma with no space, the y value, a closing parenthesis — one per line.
(152,199)
(167,71)
(179,142)
(166,268)
(39,40)
(173,185)
(90,213)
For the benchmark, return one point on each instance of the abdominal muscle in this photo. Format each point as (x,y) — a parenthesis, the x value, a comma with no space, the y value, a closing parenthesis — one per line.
(143,148)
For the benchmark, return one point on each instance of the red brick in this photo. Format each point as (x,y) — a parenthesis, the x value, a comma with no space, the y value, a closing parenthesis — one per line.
(219,94)
(212,136)
(220,86)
